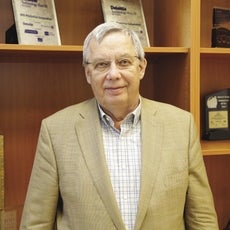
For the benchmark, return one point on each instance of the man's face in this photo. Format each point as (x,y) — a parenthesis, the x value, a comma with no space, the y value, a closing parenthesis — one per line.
(114,71)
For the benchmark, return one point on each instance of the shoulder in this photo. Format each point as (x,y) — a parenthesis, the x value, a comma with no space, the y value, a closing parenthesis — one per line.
(160,108)
(172,119)
(167,114)
(70,113)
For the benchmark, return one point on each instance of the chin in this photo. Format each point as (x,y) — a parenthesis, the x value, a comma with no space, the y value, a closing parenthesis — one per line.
(114,101)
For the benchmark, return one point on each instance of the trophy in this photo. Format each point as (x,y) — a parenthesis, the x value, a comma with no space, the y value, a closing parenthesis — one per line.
(217,115)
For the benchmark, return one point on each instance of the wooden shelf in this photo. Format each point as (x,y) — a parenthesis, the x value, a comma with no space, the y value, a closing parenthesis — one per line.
(215,147)
(168,50)
(25,49)
(14,51)
(36,81)
(224,52)
(72,48)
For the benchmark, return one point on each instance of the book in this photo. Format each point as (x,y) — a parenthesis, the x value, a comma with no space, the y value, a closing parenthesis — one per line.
(129,13)
(221,27)
(36,22)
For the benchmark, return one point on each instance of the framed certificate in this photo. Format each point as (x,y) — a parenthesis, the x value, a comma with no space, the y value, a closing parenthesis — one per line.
(36,22)
(129,13)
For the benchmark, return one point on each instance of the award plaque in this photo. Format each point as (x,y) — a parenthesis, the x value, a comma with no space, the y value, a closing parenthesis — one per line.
(36,22)
(217,115)
(129,13)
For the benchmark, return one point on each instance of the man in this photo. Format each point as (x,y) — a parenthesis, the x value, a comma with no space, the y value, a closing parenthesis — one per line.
(118,161)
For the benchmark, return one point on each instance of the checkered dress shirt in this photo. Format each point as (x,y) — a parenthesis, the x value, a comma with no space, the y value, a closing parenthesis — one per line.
(123,155)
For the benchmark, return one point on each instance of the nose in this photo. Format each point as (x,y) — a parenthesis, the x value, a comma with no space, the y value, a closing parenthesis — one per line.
(113,72)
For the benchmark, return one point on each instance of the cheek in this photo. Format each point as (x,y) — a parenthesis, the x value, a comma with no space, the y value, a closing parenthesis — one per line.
(96,84)
(88,79)
(88,75)
(134,78)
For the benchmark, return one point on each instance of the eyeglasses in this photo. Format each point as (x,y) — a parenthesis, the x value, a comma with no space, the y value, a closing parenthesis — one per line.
(122,63)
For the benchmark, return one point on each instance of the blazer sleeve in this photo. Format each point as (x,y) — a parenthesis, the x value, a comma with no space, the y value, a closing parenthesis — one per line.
(199,211)
(42,195)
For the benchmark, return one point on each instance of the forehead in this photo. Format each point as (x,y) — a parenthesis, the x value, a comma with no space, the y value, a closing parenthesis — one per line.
(114,43)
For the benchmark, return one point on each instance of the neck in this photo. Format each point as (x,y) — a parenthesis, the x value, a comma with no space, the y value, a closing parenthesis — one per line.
(118,113)
(117,117)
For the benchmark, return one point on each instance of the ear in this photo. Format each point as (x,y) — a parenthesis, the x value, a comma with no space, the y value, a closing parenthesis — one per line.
(88,74)
(142,67)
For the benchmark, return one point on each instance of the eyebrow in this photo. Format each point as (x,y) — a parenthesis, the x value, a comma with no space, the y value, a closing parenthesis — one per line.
(117,56)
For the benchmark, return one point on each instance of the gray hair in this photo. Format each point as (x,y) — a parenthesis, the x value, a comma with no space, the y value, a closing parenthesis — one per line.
(99,32)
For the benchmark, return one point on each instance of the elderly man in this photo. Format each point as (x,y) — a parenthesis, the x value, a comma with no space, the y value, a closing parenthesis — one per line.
(118,161)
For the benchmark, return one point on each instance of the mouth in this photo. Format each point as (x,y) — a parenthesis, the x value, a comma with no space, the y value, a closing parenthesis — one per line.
(114,90)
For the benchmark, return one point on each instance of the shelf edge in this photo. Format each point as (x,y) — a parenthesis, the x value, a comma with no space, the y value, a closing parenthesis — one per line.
(78,48)
(215,50)
(32,48)
(216,152)
(166,50)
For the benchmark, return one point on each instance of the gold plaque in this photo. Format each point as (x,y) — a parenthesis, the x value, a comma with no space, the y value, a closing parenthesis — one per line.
(218,120)
(128,13)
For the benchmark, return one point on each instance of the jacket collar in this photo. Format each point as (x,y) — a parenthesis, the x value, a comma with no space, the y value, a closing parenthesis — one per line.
(152,136)
(89,134)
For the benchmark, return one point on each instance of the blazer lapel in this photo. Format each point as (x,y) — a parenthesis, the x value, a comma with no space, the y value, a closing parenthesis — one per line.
(152,135)
(89,135)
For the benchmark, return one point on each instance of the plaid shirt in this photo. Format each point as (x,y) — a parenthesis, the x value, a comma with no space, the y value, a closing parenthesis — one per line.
(123,155)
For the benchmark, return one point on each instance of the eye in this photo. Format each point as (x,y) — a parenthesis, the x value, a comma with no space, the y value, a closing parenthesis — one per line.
(124,62)
(101,65)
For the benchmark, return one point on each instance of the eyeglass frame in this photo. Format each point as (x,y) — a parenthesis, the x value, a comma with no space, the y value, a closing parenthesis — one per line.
(123,62)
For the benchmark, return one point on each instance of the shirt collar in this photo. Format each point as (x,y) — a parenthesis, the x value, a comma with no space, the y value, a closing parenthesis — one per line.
(134,115)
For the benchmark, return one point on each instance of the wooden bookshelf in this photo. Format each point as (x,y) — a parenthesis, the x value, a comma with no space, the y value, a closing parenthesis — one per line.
(36,81)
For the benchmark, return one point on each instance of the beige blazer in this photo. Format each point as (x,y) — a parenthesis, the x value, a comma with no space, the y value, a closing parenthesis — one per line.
(70,183)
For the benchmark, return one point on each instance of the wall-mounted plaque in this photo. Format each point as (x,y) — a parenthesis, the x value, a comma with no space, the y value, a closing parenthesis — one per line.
(217,115)
(36,22)
(129,13)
